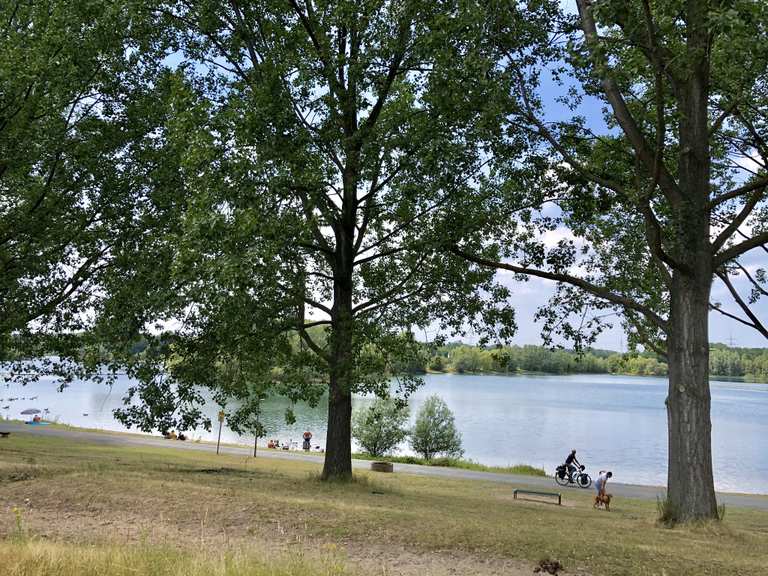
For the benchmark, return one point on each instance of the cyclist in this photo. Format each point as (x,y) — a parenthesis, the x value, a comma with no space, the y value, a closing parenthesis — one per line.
(571,463)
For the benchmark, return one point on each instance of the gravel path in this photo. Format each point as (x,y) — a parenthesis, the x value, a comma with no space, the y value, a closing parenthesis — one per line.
(637,491)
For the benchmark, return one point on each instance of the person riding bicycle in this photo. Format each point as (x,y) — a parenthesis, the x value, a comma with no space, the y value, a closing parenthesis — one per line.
(571,464)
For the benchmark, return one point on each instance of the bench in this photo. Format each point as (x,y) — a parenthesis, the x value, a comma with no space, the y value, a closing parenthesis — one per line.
(4,434)
(382,466)
(535,493)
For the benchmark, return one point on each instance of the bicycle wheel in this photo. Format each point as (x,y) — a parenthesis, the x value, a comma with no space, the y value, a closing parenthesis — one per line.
(583,480)
(562,481)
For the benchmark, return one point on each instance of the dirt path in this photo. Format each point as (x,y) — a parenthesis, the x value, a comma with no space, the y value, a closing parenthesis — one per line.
(758,502)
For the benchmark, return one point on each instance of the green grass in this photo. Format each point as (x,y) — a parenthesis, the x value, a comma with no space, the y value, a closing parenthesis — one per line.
(96,505)
(523,469)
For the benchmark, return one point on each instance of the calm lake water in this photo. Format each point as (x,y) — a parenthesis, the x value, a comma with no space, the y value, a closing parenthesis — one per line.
(615,422)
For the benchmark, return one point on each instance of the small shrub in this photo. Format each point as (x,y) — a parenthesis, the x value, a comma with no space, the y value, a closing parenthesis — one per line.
(721,512)
(19,534)
(435,431)
(380,427)
(667,512)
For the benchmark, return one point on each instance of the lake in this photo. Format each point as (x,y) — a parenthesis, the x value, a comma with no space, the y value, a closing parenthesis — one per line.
(615,422)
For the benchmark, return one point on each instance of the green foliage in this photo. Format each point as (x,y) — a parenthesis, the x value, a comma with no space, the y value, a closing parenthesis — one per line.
(74,123)
(434,431)
(380,427)
(470,359)
(748,363)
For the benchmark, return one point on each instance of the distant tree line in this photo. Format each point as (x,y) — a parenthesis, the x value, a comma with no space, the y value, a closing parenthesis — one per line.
(749,363)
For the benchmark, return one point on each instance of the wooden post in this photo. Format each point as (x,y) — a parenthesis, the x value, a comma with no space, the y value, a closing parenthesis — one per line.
(221,423)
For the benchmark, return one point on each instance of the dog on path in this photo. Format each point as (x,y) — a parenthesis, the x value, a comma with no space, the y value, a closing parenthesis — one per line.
(603,500)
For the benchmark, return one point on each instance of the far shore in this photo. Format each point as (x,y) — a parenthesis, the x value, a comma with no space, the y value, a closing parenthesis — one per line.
(712,377)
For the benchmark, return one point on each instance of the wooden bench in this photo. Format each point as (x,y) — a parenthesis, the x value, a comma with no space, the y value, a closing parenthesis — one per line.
(382,466)
(4,434)
(535,493)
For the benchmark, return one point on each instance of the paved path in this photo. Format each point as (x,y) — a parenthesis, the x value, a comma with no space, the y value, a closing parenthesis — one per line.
(126,439)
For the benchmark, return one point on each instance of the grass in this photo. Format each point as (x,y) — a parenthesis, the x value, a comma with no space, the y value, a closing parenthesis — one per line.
(167,511)
(56,559)
(523,469)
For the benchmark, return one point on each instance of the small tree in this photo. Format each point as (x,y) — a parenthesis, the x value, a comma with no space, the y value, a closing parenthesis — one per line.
(435,431)
(380,427)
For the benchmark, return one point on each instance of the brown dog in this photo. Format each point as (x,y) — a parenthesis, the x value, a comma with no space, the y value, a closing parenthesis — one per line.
(604,499)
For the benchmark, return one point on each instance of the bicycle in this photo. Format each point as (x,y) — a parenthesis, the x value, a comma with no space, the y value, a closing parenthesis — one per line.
(578,477)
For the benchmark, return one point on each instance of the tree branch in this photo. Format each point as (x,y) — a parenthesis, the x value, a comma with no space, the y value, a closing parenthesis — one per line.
(388,303)
(731,316)
(755,322)
(654,240)
(738,220)
(392,291)
(317,305)
(740,191)
(757,286)
(598,291)
(567,156)
(313,345)
(738,249)
(621,111)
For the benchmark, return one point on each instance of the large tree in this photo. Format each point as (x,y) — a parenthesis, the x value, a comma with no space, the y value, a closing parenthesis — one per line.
(658,204)
(331,147)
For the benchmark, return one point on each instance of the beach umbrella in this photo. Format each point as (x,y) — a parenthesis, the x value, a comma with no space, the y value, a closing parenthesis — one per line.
(31,411)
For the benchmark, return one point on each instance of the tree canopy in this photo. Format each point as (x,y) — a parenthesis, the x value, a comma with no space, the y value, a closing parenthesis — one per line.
(326,150)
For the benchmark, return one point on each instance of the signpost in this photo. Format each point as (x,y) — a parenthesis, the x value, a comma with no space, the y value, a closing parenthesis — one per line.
(221,423)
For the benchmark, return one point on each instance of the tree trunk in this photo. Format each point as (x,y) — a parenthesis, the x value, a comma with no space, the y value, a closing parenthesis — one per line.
(690,485)
(338,448)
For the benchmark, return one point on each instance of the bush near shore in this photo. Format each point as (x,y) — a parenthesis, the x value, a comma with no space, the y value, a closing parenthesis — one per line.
(523,469)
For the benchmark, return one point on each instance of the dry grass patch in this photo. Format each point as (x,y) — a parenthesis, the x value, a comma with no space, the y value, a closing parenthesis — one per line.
(51,559)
